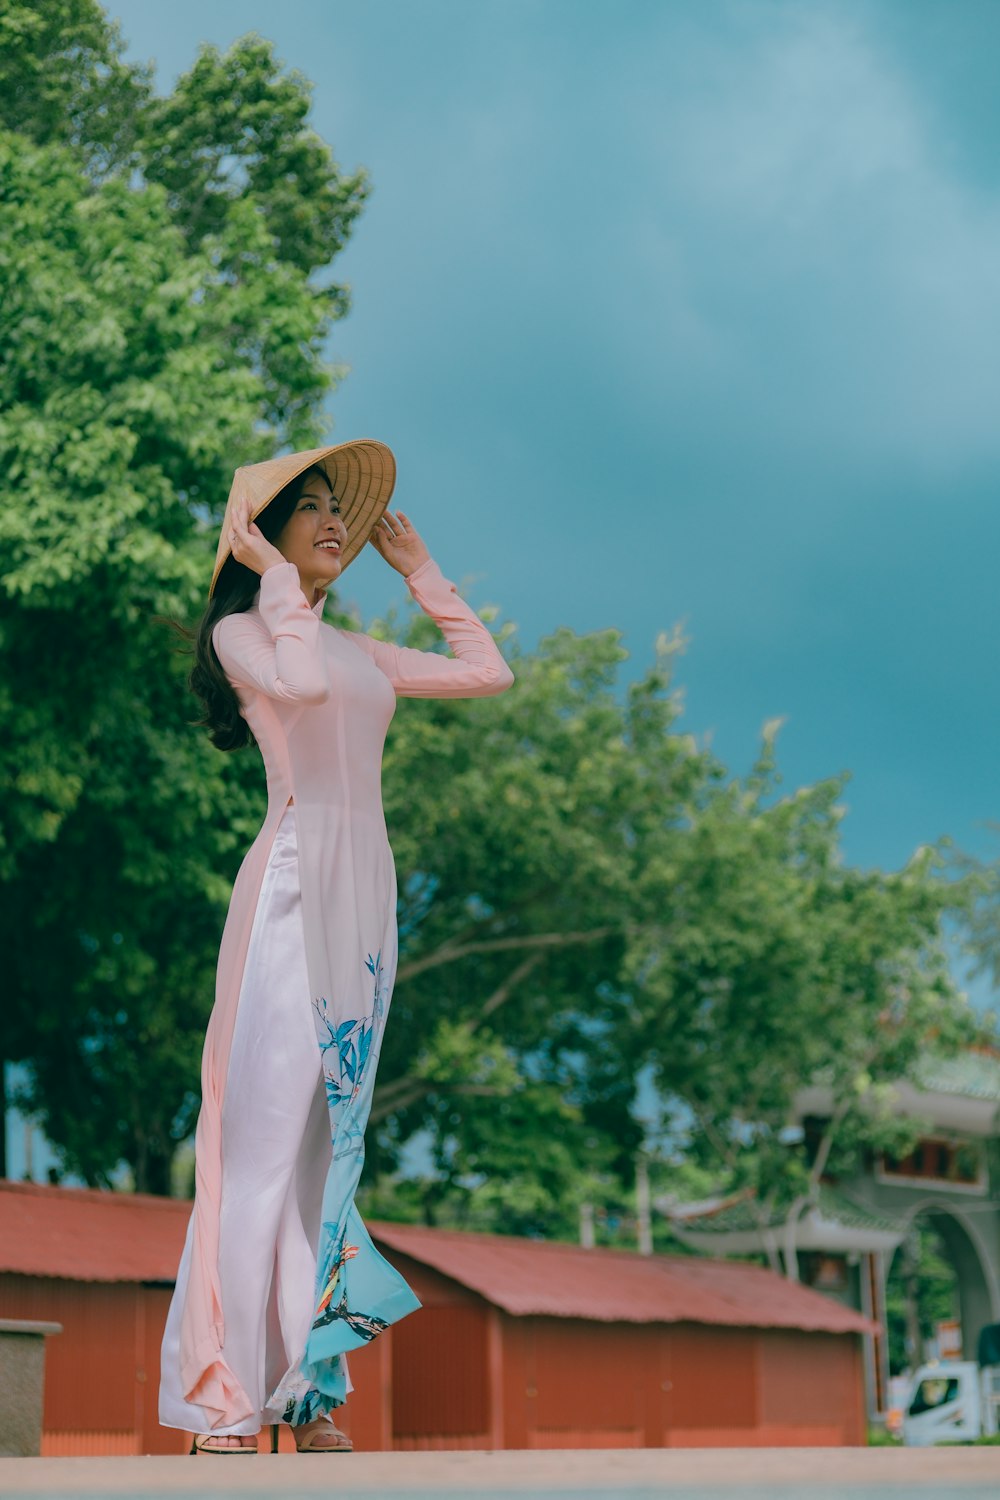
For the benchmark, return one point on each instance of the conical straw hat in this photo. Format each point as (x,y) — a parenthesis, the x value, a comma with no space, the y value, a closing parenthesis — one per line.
(361,475)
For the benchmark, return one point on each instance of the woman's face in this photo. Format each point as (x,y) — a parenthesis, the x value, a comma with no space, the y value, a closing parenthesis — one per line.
(314,535)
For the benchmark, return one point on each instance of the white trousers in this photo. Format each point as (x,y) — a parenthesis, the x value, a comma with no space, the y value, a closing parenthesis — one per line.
(276,1153)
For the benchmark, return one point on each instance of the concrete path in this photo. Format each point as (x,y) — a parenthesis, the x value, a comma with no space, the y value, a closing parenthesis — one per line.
(630,1474)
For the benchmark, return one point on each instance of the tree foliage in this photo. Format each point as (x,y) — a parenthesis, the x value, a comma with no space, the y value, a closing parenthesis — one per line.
(64,81)
(144,357)
(594,913)
(235,129)
(596,920)
(980,934)
(813,973)
(921,1292)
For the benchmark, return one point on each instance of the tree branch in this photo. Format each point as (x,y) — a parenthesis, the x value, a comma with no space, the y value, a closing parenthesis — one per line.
(410,1090)
(806,1200)
(450,951)
(402,1092)
(504,990)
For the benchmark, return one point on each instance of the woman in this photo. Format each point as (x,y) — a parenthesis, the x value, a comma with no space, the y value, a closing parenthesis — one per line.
(279,1278)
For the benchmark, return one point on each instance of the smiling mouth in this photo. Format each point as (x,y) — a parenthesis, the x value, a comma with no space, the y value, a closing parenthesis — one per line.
(328,546)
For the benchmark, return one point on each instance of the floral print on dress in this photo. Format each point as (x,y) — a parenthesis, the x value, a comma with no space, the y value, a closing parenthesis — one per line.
(348,1044)
(305,1408)
(349,1047)
(297,1400)
(365,1325)
(347,1252)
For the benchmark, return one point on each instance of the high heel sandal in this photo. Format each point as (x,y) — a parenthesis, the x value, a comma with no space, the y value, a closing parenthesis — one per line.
(305,1434)
(201,1444)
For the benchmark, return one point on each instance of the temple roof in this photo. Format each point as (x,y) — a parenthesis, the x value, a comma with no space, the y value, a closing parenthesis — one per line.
(972,1074)
(834,1224)
(741,1215)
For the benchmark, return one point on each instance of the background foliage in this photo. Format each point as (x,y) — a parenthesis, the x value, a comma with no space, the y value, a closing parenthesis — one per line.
(163,318)
(609,945)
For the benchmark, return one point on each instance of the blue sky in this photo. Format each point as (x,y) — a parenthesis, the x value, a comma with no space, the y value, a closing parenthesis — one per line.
(689,312)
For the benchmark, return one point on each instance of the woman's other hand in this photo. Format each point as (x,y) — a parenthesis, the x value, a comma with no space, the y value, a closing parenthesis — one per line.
(402,546)
(248,543)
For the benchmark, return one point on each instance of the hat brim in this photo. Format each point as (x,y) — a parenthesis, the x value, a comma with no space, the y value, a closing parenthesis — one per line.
(361,473)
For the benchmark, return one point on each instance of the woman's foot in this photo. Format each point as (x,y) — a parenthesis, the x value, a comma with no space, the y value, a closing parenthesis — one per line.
(321,1436)
(213,1442)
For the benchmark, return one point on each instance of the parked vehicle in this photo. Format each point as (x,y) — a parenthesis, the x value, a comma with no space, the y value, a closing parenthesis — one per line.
(956,1400)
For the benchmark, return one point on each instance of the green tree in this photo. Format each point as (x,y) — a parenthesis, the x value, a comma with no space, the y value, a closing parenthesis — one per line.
(921,1291)
(236,128)
(587,899)
(980,931)
(801,972)
(144,356)
(64,81)
(518,867)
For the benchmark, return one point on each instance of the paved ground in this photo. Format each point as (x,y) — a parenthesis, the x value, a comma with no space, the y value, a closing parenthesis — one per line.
(701,1474)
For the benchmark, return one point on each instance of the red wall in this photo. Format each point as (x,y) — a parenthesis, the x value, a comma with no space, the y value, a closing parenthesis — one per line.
(811,1388)
(102,1372)
(574,1384)
(681,1385)
(461,1374)
(440,1365)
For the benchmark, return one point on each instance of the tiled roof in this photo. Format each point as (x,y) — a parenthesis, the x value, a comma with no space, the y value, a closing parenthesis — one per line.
(84,1235)
(970,1075)
(736,1218)
(544,1278)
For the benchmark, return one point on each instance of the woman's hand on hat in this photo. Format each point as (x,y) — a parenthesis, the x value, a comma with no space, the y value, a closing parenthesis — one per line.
(248,543)
(396,539)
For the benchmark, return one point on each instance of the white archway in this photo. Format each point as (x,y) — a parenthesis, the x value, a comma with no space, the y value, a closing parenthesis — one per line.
(975,1268)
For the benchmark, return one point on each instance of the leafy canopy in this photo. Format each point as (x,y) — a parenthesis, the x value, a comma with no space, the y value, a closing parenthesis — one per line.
(148,349)
(593,915)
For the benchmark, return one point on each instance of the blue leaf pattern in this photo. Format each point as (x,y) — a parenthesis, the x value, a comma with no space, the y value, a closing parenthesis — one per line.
(351,1040)
(349,1048)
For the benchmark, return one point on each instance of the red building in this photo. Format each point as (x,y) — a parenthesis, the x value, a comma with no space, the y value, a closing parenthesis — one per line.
(519,1343)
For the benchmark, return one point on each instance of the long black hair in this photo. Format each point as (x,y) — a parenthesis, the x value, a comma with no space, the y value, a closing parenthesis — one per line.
(235,590)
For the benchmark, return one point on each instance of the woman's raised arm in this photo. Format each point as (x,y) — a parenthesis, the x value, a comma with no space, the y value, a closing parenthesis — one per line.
(280,652)
(477,669)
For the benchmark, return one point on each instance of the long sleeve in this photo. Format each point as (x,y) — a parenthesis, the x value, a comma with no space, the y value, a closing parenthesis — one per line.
(477,669)
(279,651)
